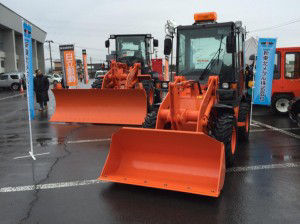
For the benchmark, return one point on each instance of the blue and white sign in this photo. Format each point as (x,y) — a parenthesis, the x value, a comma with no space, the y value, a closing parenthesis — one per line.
(262,91)
(27,46)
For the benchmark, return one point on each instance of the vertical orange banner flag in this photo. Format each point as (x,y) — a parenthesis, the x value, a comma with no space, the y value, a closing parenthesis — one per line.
(86,74)
(67,56)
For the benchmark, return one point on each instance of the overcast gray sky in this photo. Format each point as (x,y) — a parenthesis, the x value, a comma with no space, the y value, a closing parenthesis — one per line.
(87,23)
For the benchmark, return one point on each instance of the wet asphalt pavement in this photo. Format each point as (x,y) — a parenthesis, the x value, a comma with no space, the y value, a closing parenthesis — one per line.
(256,192)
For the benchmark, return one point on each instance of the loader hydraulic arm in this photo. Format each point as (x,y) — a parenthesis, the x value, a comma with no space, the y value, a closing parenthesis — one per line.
(207,103)
(177,115)
(114,78)
(186,107)
(132,77)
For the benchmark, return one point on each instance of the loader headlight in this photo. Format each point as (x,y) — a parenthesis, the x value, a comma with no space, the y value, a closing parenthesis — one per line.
(225,85)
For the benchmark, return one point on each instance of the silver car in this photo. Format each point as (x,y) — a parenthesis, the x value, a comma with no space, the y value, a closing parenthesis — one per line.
(12,80)
(54,78)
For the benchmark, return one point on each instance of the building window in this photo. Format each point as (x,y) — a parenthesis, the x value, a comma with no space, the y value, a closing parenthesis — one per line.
(2,64)
(292,65)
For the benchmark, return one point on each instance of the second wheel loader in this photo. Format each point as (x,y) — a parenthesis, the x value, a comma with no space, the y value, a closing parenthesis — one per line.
(128,90)
(187,144)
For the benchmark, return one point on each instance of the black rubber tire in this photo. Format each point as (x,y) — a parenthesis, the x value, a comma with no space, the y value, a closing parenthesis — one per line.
(148,86)
(222,131)
(278,97)
(157,95)
(97,84)
(244,114)
(15,86)
(150,120)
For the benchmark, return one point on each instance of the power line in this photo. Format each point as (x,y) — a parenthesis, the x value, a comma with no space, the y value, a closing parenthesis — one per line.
(89,48)
(276,26)
(81,47)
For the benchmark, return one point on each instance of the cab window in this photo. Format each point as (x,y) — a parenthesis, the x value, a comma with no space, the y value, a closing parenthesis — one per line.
(277,66)
(14,76)
(3,77)
(292,65)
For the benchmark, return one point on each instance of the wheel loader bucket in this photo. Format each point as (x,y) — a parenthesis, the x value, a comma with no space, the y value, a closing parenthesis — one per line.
(104,106)
(173,160)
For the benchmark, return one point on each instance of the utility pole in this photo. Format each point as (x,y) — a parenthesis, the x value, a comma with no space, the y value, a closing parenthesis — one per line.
(49,42)
(91,65)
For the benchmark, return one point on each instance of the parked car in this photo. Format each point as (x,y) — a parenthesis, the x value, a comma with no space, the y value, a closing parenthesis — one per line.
(54,78)
(294,110)
(97,84)
(100,73)
(12,80)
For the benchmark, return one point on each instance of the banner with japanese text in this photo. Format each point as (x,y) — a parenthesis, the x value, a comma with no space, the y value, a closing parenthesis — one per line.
(27,46)
(68,62)
(262,91)
(85,69)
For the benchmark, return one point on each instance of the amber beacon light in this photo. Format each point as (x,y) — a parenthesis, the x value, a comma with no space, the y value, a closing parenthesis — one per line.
(206,16)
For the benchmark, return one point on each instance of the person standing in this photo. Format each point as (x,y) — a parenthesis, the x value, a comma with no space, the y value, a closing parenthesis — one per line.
(80,74)
(63,83)
(41,87)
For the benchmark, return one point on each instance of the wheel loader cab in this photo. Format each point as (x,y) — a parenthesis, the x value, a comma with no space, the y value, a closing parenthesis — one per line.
(207,48)
(133,48)
(128,90)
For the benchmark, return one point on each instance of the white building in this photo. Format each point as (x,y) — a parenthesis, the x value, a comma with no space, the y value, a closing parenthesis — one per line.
(11,42)
(250,48)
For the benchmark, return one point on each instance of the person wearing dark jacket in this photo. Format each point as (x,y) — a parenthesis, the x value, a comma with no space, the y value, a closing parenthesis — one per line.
(41,87)
(63,83)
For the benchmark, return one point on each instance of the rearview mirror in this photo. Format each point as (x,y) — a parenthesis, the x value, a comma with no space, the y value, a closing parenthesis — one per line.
(167,46)
(229,44)
(155,43)
(107,43)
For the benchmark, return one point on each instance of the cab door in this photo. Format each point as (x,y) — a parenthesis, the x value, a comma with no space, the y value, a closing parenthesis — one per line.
(277,85)
(4,81)
(292,72)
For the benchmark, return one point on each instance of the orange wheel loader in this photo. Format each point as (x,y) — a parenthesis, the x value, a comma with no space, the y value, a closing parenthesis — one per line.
(187,144)
(129,89)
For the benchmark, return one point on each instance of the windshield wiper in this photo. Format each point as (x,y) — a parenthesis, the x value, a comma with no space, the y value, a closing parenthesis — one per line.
(212,61)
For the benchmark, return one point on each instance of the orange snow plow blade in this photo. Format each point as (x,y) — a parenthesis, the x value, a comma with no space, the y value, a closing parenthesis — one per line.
(105,106)
(172,160)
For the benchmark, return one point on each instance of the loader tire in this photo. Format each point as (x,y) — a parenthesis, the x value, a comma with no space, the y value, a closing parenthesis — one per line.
(158,95)
(280,103)
(150,120)
(97,84)
(225,131)
(100,83)
(244,116)
(149,88)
